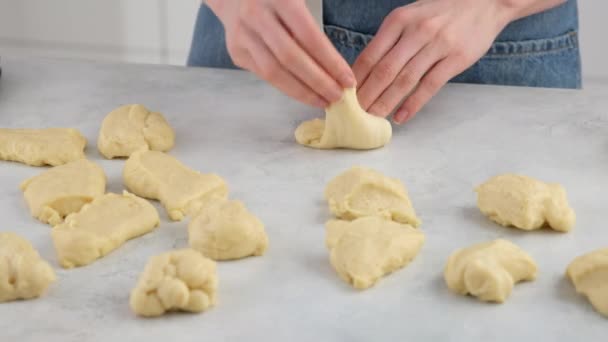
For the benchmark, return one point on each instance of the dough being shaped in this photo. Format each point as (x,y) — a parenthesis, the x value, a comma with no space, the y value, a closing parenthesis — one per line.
(226,231)
(178,280)
(360,192)
(525,203)
(589,274)
(346,125)
(131,128)
(102,226)
(23,273)
(63,190)
(364,250)
(488,270)
(181,190)
(38,147)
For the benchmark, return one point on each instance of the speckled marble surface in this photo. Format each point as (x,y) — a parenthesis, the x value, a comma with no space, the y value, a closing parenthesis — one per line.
(232,124)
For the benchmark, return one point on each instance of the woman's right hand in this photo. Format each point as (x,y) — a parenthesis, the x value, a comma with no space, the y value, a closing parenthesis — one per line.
(280,42)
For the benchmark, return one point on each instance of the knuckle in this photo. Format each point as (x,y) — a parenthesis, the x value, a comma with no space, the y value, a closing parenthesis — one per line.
(432,84)
(380,108)
(429,25)
(365,61)
(249,9)
(286,56)
(406,80)
(383,72)
(270,73)
(447,39)
(399,15)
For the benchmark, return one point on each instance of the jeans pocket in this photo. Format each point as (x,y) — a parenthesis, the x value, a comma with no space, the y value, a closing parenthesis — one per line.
(502,49)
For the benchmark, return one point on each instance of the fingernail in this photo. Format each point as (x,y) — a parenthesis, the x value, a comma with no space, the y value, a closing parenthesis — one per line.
(347,80)
(400,116)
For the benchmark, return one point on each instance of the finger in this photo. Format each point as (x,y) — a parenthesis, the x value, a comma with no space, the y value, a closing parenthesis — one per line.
(430,84)
(387,36)
(384,73)
(407,79)
(297,19)
(293,58)
(268,68)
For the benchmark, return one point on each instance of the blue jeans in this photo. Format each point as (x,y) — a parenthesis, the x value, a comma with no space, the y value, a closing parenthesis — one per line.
(541,50)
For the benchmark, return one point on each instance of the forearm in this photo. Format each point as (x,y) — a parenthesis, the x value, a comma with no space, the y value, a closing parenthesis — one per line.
(523,8)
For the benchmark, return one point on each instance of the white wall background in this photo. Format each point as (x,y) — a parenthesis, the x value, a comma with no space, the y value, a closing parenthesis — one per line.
(159,31)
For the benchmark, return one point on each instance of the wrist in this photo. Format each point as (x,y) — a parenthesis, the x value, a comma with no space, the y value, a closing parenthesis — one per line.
(517,9)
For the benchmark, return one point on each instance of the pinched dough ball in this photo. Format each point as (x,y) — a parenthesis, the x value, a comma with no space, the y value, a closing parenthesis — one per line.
(346,125)
(23,274)
(102,226)
(589,274)
(38,147)
(525,203)
(488,270)
(361,192)
(227,231)
(63,190)
(364,250)
(133,127)
(178,280)
(181,190)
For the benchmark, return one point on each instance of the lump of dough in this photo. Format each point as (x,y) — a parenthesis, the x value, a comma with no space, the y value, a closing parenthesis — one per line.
(226,231)
(181,190)
(525,203)
(102,226)
(488,270)
(178,280)
(360,192)
(38,147)
(589,274)
(131,128)
(63,190)
(364,250)
(23,273)
(346,125)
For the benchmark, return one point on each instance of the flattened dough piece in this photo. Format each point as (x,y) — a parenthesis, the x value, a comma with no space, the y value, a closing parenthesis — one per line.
(488,270)
(38,147)
(23,273)
(589,274)
(102,226)
(178,280)
(364,250)
(181,190)
(525,203)
(360,192)
(346,125)
(62,190)
(133,127)
(227,230)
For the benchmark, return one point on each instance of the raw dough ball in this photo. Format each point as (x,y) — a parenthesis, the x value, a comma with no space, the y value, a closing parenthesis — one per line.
(364,250)
(361,192)
(178,280)
(346,125)
(102,226)
(133,127)
(227,231)
(63,190)
(38,147)
(589,274)
(23,274)
(181,190)
(525,203)
(488,270)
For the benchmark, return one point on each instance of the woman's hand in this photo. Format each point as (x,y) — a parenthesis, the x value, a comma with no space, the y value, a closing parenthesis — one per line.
(421,46)
(279,41)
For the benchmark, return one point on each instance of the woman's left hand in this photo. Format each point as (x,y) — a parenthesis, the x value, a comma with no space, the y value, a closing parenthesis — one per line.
(420,47)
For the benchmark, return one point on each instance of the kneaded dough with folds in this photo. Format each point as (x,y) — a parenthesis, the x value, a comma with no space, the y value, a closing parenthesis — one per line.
(525,203)
(364,250)
(488,270)
(181,190)
(23,273)
(39,147)
(227,230)
(131,128)
(62,190)
(360,192)
(346,125)
(178,280)
(589,274)
(102,226)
